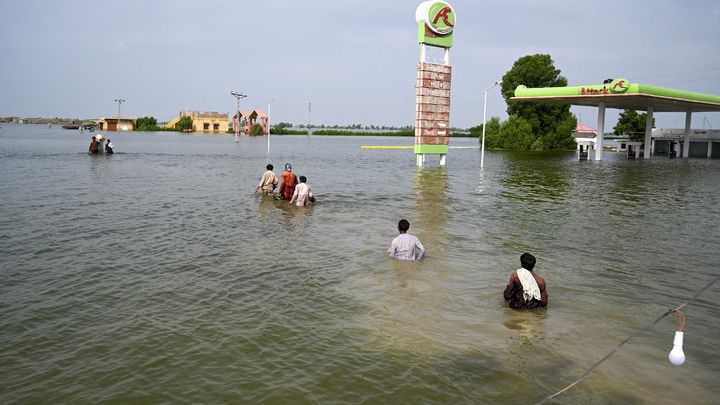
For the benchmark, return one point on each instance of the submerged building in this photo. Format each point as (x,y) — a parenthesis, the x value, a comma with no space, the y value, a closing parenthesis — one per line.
(210,122)
(243,121)
(116,124)
(676,142)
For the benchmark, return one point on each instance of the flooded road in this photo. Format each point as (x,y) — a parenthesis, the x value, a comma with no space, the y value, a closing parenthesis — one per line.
(155,275)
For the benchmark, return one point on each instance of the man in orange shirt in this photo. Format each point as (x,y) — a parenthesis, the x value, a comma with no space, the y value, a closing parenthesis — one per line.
(288,181)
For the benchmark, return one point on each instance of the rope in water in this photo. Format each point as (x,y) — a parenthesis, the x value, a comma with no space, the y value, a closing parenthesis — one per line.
(617,348)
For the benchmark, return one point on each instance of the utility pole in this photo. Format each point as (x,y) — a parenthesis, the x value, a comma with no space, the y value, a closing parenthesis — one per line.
(309,125)
(119,101)
(237,96)
(268,126)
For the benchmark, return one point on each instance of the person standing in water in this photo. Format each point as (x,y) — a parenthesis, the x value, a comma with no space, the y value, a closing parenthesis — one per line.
(288,181)
(406,246)
(94,146)
(302,195)
(268,181)
(526,289)
(109,147)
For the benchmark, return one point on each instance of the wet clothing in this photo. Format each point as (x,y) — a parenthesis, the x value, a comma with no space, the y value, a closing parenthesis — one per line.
(515,293)
(94,147)
(268,182)
(406,247)
(302,195)
(288,181)
(109,148)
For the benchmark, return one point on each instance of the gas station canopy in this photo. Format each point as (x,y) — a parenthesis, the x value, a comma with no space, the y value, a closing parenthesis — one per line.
(622,94)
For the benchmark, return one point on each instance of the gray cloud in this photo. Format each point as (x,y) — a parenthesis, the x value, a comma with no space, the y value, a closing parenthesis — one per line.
(354,60)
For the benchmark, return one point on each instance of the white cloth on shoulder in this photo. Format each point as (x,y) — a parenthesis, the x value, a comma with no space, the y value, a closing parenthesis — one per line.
(530,286)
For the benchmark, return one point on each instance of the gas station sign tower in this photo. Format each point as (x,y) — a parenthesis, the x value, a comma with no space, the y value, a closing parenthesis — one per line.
(436,21)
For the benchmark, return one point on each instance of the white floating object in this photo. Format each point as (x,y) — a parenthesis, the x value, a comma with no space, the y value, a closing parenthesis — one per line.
(676,355)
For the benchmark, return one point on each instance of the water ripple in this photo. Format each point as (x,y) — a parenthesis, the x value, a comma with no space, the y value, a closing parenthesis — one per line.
(156,276)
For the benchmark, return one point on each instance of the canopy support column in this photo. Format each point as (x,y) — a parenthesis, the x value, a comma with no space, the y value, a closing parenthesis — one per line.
(709,154)
(648,133)
(686,144)
(600,131)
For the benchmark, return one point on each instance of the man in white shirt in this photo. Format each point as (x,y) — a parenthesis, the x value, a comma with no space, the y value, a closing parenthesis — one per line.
(406,246)
(302,195)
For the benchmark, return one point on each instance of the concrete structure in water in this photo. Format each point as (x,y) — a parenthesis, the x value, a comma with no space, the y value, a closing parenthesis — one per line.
(622,94)
(585,140)
(664,142)
(208,122)
(243,121)
(115,124)
(436,21)
(672,142)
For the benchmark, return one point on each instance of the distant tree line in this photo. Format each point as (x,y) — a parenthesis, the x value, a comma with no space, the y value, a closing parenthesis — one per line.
(150,124)
(147,124)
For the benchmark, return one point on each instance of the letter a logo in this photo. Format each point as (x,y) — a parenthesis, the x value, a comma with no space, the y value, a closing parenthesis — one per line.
(619,86)
(443,13)
(441,18)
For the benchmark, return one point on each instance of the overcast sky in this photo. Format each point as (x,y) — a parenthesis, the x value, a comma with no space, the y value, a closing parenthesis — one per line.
(354,60)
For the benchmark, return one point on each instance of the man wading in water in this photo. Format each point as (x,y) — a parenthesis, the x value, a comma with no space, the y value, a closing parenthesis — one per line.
(94,146)
(268,182)
(288,181)
(526,289)
(406,246)
(302,195)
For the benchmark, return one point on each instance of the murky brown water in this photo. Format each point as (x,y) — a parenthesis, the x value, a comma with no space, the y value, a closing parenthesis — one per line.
(156,276)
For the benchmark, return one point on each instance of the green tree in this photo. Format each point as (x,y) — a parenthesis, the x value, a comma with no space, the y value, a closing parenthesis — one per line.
(516,134)
(185,124)
(632,124)
(147,124)
(283,125)
(257,129)
(492,133)
(562,138)
(551,124)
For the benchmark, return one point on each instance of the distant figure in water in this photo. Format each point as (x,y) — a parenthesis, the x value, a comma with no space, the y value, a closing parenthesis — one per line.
(302,195)
(526,289)
(268,181)
(288,181)
(406,246)
(101,142)
(94,146)
(109,147)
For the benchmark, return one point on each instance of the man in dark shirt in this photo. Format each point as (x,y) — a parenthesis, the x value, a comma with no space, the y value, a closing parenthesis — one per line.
(526,289)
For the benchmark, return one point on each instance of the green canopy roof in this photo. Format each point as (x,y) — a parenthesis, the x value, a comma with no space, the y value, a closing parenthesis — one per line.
(622,94)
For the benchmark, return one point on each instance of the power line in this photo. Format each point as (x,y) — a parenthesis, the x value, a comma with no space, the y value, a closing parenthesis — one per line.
(692,80)
(617,348)
(679,73)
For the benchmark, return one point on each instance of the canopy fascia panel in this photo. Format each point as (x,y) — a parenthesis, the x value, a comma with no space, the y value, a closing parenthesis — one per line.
(635,96)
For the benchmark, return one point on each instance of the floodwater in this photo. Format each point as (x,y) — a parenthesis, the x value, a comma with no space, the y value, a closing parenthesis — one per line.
(156,276)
